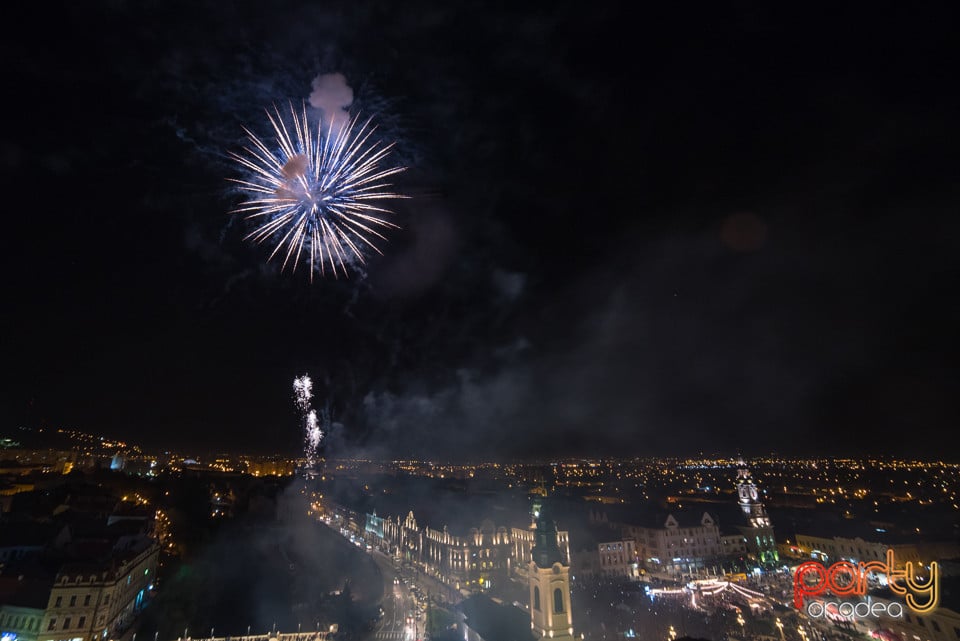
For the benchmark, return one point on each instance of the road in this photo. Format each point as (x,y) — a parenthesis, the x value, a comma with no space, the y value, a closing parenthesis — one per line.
(397,605)
(401,619)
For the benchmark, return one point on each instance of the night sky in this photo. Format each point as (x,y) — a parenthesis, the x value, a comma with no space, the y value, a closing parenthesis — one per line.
(646,233)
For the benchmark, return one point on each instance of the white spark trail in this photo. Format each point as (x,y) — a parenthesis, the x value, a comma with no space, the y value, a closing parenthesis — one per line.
(312,434)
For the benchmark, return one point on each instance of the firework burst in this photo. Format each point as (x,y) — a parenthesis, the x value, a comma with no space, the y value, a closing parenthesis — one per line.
(317,194)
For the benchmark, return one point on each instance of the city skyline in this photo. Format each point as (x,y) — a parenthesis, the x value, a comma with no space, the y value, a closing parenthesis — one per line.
(700,231)
(98,544)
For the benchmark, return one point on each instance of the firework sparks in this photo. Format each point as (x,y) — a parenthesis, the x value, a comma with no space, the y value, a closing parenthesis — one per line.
(303,392)
(317,194)
(312,434)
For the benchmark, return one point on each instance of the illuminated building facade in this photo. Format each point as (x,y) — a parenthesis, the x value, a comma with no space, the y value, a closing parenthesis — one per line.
(683,544)
(90,603)
(619,559)
(20,622)
(473,561)
(84,601)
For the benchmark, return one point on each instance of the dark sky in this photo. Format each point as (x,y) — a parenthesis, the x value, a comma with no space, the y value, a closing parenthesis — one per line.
(652,231)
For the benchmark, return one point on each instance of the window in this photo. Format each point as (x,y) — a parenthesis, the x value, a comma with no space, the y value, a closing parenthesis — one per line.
(66,623)
(52,625)
(557,601)
(86,600)
(956,631)
(536,598)
(106,599)
(936,626)
(81,622)
(920,622)
(59,601)
(73,600)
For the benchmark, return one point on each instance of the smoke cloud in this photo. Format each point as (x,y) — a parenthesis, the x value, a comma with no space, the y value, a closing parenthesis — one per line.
(332,96)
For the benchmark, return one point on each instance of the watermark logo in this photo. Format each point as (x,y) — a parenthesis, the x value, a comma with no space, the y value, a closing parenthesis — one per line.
(847,579)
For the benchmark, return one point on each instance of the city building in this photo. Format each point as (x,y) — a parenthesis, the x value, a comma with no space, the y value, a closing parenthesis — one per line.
(619,559)
(942,624)
(470,561)
(684,543)
(688,542)
(854,547)
(84,599)
(23,609)
(91,600)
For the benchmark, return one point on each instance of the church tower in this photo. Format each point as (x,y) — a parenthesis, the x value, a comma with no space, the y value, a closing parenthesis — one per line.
(749,497)
(761,543)
(549,576)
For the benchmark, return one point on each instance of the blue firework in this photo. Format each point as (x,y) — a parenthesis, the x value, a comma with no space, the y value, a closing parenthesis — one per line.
(317,195)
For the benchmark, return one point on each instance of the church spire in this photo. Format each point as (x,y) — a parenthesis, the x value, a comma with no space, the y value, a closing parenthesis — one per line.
(549,579)
(761,543)
(749,497)
(545,550)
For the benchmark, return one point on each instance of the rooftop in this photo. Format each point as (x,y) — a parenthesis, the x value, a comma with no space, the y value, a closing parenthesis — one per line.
(496,622)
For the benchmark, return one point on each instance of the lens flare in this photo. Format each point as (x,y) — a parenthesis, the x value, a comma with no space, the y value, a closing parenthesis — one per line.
(317,193)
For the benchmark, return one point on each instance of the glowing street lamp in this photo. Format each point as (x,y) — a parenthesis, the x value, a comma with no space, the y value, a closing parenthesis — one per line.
(673,634)
(779,625)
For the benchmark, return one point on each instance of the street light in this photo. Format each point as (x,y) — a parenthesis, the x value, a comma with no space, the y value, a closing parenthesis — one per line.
(672,634)
(779,625)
